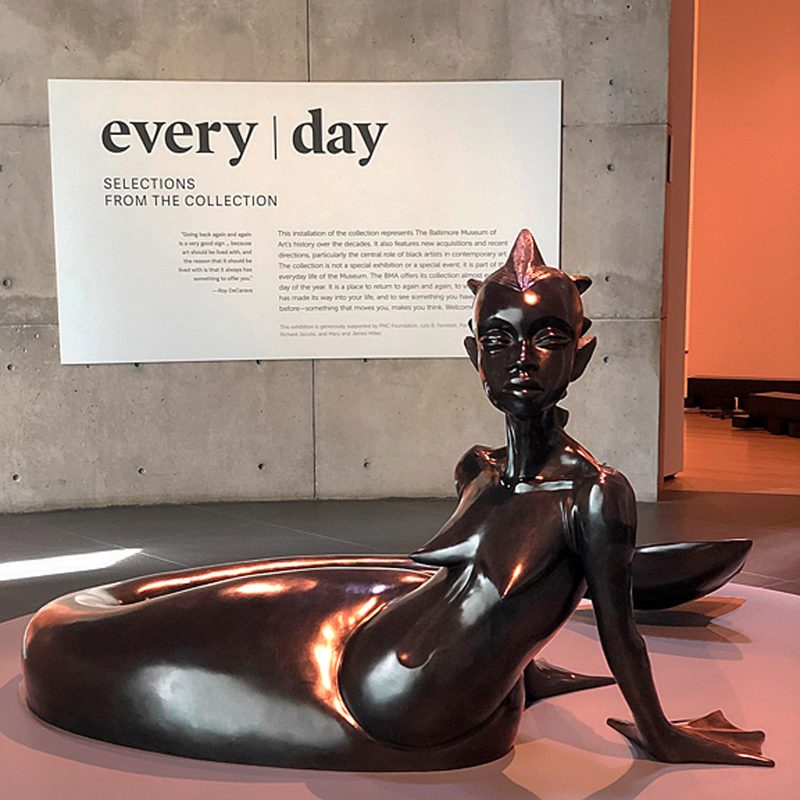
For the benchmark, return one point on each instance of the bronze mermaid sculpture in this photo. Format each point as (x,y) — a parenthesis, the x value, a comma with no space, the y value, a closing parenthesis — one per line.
(404,663)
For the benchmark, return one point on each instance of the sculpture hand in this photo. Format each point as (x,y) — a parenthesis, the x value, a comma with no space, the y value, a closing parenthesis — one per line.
(711,739)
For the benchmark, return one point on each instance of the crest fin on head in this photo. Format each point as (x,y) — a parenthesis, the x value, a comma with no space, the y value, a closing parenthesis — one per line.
(524,266)
(525,259)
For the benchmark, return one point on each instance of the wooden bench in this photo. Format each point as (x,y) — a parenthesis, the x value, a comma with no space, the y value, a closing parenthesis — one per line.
(723,393)
(778,412)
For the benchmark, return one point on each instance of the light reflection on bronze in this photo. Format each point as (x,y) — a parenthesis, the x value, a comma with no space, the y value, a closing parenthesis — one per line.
(226,571)
(515,573)
(273,587)
(412,579)
(327,652)
(404,663)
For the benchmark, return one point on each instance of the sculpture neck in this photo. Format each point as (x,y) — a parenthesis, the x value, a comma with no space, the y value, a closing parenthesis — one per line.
(530,442)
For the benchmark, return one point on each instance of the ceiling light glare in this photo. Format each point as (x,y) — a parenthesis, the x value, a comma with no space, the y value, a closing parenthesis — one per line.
(59,565)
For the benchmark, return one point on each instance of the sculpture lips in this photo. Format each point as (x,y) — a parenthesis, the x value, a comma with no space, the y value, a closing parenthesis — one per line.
(524,384)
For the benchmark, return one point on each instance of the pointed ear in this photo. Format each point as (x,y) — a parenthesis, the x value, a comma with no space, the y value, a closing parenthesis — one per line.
(474,284)
(471,346)
(586,346)
(582,282)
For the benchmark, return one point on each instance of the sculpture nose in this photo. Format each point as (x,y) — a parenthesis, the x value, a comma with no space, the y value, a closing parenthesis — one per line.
(527,355)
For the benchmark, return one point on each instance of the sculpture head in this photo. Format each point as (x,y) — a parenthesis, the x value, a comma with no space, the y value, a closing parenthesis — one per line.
(528,329)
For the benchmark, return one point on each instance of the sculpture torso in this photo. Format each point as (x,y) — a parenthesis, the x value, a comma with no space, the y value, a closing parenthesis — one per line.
(521,530)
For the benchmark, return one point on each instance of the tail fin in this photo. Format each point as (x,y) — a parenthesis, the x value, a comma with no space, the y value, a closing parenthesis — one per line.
(666,575)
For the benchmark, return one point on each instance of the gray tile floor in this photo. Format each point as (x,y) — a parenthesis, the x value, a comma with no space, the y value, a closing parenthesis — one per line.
(172,537)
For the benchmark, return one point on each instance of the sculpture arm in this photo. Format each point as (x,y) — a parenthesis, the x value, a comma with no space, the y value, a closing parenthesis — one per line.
(607,543)
(608,532)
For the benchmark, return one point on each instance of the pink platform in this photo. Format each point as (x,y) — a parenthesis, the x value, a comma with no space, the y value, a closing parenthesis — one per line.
(738,650)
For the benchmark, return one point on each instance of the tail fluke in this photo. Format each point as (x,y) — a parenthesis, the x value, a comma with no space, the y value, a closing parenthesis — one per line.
(666,575)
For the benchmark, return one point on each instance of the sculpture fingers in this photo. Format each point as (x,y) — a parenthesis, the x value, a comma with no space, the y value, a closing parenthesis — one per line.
(717,728)
(711,739)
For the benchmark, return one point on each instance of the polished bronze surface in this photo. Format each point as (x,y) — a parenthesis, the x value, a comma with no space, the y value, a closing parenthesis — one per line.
(403,663)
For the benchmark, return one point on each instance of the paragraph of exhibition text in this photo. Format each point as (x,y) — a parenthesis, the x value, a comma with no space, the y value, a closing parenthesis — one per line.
(382,272)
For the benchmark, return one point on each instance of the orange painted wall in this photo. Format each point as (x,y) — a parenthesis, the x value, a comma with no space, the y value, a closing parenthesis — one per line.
(744,292)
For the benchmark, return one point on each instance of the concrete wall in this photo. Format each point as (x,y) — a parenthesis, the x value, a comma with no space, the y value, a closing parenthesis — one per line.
(183,432)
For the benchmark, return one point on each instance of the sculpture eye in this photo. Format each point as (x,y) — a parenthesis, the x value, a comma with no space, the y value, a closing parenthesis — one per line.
(551,339)
(496,339)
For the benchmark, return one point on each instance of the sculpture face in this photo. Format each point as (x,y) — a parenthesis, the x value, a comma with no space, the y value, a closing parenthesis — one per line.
(527,342)
(529,323)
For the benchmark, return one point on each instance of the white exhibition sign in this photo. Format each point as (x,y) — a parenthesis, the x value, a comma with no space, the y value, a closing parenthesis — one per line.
(209,221)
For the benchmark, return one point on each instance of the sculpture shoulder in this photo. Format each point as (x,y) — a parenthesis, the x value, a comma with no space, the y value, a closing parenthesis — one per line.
(607,505)
(476,460)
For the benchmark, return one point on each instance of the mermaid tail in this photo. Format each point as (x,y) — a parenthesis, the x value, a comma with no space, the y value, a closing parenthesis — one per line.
(666,575)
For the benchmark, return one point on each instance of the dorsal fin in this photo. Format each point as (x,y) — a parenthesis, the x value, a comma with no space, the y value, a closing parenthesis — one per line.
(525,259)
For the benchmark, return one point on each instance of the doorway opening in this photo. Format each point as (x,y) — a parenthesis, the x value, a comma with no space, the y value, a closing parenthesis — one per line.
(731,337)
